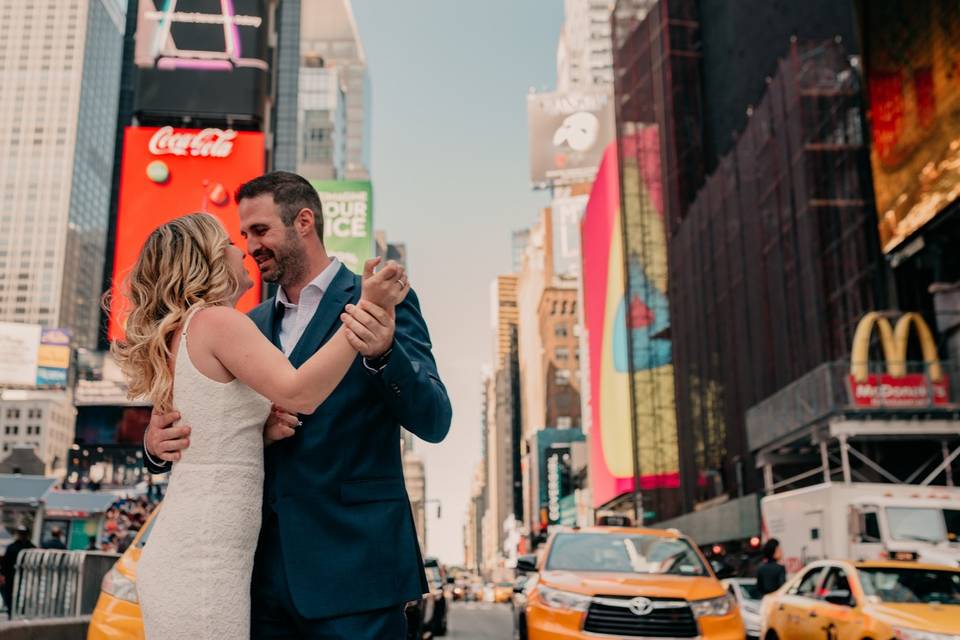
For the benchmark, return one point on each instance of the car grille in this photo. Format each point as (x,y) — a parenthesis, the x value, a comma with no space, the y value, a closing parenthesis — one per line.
(673,622)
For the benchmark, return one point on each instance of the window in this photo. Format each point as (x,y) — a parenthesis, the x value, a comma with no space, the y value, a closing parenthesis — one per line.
(916,523)
(952,517)
(560,331)
(807,586)
(871,528)
(836,580)
(562,354)
(562,377)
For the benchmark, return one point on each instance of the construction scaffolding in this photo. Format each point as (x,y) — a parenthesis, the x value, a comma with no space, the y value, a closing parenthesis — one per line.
(773,264)
(643,49)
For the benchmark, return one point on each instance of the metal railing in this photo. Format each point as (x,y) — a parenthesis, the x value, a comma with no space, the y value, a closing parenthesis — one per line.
(826,391)
(50,583)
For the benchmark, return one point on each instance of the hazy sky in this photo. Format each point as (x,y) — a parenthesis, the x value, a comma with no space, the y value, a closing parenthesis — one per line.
(450,178)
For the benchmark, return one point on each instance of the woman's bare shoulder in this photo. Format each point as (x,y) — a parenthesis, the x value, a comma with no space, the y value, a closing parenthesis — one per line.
(218,319)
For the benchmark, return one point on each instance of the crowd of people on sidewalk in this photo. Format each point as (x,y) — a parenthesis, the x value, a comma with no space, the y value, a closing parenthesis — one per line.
(123,520)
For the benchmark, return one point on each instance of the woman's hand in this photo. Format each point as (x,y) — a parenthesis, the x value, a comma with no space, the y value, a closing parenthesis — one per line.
(386,288)
(281,424)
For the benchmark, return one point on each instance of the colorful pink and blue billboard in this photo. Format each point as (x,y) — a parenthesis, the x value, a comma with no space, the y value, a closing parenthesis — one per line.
(608,315)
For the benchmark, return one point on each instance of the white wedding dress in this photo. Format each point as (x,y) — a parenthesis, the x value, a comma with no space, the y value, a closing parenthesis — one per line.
(193,577)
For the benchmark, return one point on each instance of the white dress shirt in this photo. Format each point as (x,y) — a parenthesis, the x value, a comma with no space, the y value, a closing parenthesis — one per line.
(296,317)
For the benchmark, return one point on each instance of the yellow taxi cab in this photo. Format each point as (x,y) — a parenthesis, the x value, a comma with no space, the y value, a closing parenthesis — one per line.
(117,614)
(502,592)
(858,600)
(613,582)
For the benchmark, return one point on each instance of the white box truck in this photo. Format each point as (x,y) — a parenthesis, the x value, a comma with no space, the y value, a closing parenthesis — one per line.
(864,521)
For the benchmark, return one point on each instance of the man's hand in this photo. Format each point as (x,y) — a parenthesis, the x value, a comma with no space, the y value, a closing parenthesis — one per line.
(164,441)
(386,288)
(281,424)
(370,328)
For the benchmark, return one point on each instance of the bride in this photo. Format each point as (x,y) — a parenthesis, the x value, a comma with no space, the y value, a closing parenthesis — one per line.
(187,347)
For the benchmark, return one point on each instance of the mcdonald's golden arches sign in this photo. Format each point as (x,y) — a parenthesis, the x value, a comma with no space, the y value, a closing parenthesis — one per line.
(897,387)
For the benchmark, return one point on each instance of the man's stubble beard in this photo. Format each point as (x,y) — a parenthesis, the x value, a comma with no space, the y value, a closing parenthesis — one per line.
(290,261)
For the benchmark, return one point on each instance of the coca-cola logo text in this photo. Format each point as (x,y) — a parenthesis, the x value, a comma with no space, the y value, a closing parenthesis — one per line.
(207,143)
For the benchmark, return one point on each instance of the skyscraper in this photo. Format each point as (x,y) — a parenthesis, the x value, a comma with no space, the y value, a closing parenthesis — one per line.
(60,71)
(584,52)
(333,120)
(503,305)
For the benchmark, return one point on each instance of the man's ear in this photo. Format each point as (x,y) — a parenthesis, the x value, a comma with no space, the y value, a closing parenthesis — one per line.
(305,221)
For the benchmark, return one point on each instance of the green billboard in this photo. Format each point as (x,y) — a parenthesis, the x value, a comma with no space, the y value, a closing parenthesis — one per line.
(347,220)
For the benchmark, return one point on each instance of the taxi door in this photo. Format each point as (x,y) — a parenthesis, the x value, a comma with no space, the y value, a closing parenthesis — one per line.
(840,619)
(794,609)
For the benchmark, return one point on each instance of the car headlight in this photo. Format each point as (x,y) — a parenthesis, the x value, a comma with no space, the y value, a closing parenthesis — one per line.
(119,586)
(563,599)
(713,606)
(905,633)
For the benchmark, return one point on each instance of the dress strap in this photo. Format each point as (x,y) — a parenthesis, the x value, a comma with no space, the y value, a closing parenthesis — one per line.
(189,316)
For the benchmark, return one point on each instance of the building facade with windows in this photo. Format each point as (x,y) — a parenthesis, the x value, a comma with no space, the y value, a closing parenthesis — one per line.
(60,63)
(43,420)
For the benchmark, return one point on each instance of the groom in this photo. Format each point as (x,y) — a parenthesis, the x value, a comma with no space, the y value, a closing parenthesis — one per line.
(338,555)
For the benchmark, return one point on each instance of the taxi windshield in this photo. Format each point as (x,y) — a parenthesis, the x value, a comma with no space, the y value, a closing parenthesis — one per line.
(908,585)
(623,553)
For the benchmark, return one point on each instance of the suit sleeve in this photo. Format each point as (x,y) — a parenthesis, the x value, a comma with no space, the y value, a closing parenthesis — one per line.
(152,465)
(409,382)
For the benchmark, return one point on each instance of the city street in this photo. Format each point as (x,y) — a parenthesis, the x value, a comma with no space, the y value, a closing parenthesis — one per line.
(480,621)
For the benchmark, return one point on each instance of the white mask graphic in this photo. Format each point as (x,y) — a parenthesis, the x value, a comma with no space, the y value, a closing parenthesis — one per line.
(579,130)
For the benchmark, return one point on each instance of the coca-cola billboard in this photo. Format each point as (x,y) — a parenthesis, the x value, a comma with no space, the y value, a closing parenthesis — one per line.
(168,172)
(203,58)
(214,143)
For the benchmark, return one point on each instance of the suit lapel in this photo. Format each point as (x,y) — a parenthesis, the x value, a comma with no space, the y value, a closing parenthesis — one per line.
(274,324)
(269,322)
(337,295)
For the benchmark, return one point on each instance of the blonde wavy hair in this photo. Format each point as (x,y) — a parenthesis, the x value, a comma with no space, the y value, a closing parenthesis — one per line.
(182,264)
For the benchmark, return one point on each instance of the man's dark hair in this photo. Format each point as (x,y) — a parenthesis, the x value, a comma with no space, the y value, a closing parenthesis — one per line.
(770,548)
(290,192)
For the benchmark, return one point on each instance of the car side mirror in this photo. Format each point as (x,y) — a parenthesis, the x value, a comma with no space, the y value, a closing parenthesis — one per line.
(840,597)
(527,564)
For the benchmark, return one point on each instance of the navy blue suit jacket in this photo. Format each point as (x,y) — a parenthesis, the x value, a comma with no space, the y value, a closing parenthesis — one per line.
(347,532)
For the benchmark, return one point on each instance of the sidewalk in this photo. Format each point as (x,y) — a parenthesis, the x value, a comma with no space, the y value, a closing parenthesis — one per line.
(49,629)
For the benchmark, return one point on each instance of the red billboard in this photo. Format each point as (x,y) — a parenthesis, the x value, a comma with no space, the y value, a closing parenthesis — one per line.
(169,172)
